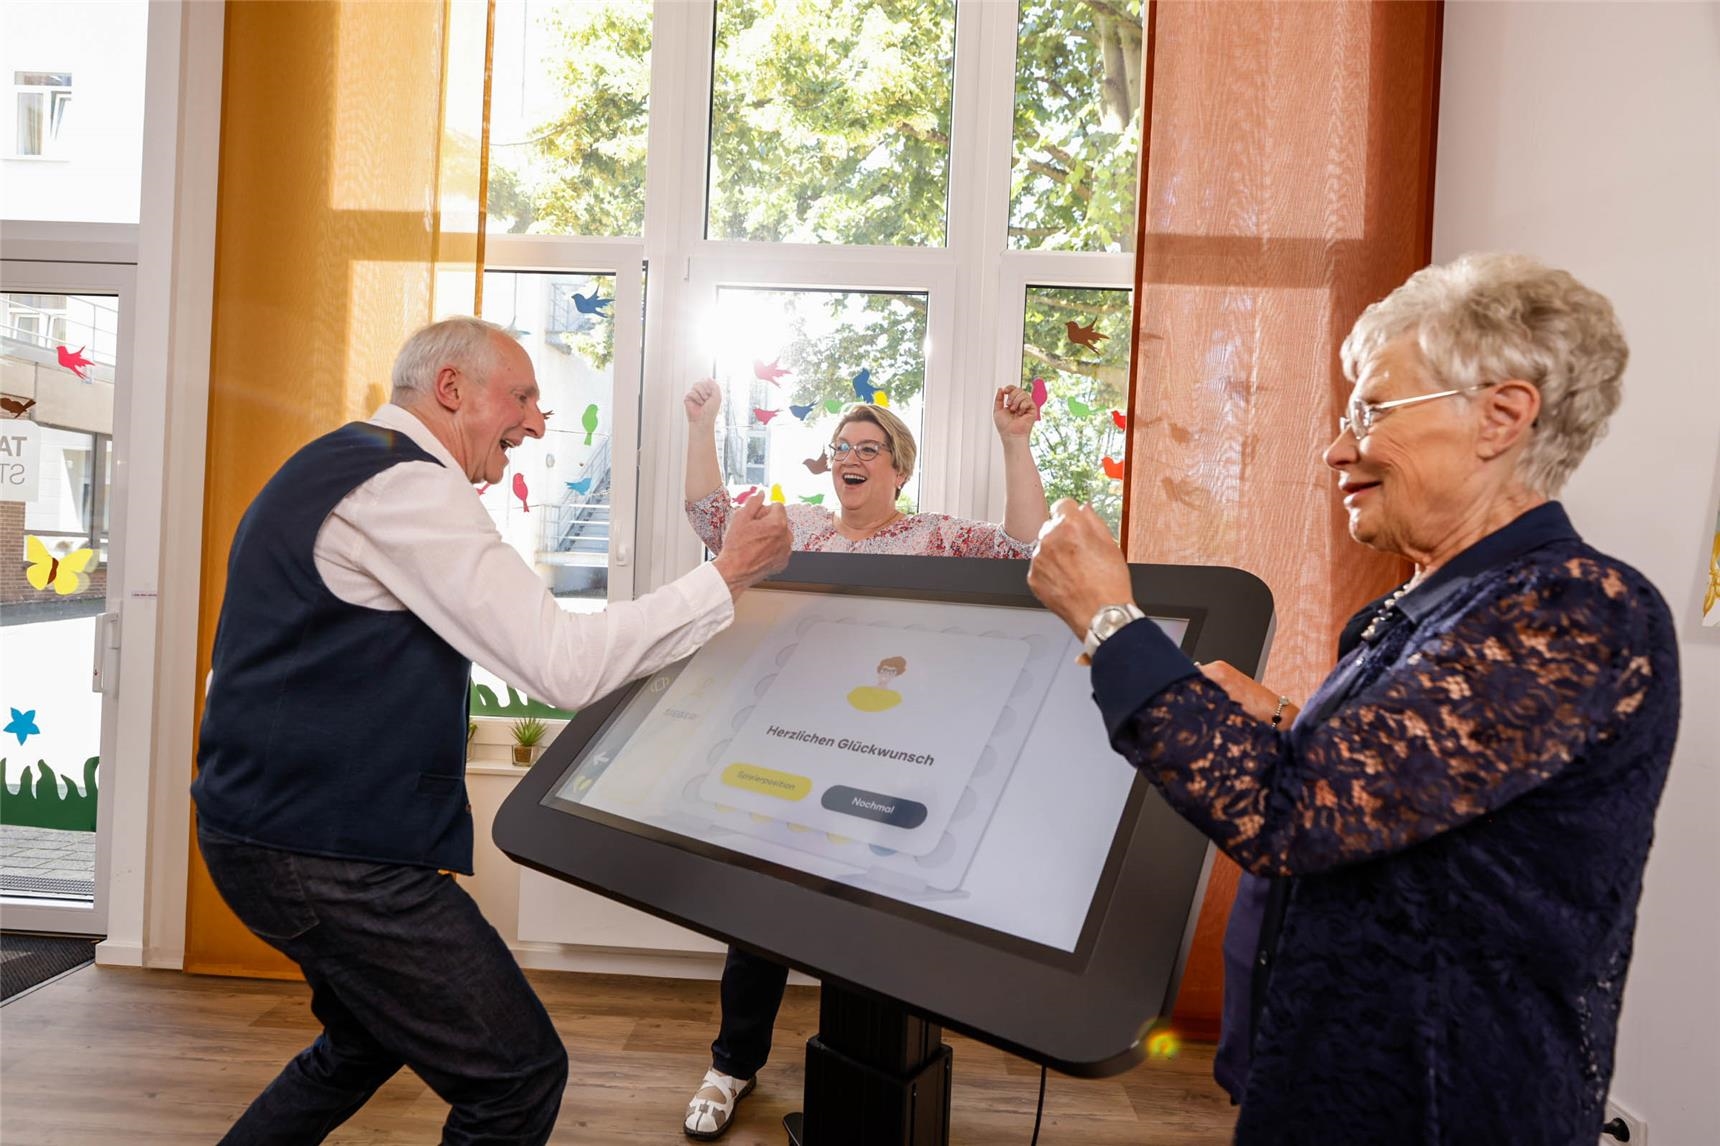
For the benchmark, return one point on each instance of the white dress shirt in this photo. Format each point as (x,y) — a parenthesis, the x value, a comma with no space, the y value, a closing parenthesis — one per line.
(416,537)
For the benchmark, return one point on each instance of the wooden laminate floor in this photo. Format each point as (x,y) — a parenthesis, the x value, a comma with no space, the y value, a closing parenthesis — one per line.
(111,1055)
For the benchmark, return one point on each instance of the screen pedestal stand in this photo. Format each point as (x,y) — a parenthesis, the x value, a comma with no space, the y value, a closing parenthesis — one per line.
(875,1076)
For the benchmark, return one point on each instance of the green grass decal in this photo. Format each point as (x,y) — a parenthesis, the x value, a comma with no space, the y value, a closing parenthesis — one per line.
(483,702)
(37,802)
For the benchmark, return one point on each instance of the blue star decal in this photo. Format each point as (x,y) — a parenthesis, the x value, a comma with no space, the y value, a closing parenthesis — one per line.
(23,725)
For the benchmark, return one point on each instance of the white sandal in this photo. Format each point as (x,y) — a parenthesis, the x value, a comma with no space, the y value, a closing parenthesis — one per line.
(709,1118)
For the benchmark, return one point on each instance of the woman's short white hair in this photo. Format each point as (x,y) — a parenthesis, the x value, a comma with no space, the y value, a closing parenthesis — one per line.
(465,342)
(1497,317)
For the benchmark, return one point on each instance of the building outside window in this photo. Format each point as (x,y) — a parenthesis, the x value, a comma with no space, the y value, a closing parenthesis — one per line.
(42,99)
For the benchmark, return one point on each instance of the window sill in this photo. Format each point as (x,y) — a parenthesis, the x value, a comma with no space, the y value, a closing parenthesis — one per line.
(494,768)
(492,760)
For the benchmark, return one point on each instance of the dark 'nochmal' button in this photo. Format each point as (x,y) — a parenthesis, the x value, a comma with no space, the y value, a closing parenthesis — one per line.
(892,810)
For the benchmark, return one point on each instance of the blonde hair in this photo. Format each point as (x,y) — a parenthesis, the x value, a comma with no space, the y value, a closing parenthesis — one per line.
(897,436)
(1499,317)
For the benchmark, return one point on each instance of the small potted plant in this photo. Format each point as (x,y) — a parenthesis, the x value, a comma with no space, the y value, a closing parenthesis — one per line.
(527,733)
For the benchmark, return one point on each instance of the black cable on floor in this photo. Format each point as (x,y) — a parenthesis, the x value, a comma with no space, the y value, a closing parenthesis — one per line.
(1038,1113)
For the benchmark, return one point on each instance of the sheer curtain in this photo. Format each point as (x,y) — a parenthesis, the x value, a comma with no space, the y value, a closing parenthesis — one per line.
(1287,183)
(348,210)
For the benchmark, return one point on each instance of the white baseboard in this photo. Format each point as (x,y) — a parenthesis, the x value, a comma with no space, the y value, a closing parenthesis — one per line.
(115,953)
(112,953)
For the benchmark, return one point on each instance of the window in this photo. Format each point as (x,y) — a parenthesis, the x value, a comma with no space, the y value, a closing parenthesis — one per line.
(554,506)
(1077,125)
(830,121)
(1075,353)
(790,361)
(39,320)
(936,198)
(569,109)
(86,326)
(42,99)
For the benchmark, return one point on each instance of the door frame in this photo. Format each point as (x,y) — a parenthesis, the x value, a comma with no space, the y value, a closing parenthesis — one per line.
(122,677)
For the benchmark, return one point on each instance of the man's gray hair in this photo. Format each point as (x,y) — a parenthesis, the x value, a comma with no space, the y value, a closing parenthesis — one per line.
(463,341)
(1497,317)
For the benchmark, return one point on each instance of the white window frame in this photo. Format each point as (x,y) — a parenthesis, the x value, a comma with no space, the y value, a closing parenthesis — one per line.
(1021,270)
(975,284)
(166,262)
(51,145)
(125,570)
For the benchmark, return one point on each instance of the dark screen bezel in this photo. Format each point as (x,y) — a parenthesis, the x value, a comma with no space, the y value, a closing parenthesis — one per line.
(1088,1021)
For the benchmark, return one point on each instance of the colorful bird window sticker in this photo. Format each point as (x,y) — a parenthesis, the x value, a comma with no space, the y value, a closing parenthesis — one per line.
(75,361)
(866,392)
(770,372)
(590,303)
(1087,336)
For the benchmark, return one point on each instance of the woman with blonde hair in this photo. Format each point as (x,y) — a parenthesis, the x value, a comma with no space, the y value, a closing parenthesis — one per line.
(871,456)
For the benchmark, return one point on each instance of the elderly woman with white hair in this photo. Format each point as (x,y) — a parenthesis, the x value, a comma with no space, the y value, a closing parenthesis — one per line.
(1460,816)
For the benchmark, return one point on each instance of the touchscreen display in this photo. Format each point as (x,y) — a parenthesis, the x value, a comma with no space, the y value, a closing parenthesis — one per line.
(941,754)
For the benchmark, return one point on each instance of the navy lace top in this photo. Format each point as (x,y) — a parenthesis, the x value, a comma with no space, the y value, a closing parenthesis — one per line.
(1464,810)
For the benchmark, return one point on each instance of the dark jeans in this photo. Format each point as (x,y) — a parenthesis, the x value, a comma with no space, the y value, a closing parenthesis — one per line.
(403,971)
(752,992)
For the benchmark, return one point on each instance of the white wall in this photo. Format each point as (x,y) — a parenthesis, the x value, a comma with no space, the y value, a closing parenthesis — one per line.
(1589,135)
(95,173)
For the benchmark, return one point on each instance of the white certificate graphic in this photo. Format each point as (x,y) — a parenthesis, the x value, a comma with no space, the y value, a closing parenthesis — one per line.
(869,733)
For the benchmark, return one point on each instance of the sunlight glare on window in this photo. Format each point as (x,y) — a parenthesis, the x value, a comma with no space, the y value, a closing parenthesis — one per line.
(791,361)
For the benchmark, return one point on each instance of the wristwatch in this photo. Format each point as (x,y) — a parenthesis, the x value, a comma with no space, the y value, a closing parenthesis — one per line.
(1106,622)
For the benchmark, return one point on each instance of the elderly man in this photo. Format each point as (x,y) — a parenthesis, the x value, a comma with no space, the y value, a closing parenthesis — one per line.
(1461,814)
(363,582)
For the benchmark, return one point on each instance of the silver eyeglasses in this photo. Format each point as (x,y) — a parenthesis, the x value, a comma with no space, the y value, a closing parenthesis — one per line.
(1359,416)
(865,451)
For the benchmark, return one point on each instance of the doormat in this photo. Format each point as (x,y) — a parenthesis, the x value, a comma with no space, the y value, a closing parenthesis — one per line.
(26,960)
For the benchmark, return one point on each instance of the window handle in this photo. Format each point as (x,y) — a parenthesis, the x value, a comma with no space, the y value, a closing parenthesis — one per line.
(104,662)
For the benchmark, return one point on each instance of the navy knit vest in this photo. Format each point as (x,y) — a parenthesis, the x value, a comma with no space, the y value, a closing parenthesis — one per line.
(330,729)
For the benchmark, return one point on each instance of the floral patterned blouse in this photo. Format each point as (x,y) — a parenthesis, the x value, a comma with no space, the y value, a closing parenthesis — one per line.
(1462,813)
(914,535)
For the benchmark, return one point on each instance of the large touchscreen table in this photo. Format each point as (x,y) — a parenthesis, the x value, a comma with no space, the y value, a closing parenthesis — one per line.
(890,772)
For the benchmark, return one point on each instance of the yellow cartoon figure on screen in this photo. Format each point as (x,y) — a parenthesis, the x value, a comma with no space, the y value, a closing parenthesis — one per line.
(880,697)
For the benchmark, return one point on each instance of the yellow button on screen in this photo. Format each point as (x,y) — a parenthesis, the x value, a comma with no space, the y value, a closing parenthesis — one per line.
(766,781)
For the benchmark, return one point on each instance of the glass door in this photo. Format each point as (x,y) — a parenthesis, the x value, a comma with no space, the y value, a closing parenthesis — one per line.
(64,354)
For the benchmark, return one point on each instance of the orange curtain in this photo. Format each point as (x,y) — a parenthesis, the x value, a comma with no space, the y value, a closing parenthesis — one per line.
(349,192)
(1287,182)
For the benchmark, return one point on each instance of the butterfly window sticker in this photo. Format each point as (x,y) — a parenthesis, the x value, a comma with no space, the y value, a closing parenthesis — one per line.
(66,575)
